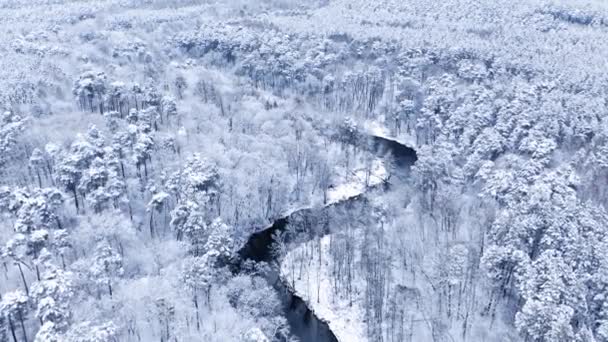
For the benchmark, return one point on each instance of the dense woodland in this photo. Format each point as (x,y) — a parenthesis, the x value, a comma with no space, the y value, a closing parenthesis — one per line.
(143,141)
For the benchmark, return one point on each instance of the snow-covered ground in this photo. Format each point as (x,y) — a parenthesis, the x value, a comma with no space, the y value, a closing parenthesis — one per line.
(379,129)
(313,281)
(345,321)
(348,185)
(255,335)
(309,269)
(313,285)
(357,181)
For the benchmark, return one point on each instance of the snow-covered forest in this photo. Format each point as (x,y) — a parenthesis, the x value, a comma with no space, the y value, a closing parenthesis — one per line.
(303,171)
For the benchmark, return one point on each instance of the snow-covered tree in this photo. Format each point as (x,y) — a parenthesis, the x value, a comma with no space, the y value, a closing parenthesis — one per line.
(90,89)
(14,308)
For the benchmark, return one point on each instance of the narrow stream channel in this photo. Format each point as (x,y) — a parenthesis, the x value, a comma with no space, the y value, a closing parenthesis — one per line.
(303,322)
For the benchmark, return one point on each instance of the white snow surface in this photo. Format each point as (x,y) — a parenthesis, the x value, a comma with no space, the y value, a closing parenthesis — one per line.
(255,335)
(344,316)
(344,320)
(357,181)
(379,129)
(351,185)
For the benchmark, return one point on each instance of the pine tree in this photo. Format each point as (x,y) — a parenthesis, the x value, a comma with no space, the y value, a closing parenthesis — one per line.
(14,307)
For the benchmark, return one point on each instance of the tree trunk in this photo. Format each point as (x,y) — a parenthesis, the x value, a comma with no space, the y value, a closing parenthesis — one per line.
(122,169)
(75,199)
(39,179)
(22,326)
(152,223)
(130,209)
(12,327)
(198,322)
(27,291)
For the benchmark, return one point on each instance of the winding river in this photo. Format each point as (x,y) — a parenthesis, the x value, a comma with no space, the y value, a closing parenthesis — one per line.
(303,322)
